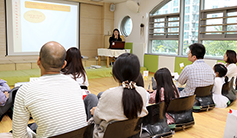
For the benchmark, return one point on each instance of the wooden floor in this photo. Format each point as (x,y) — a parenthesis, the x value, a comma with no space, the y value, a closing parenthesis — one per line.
(209,124)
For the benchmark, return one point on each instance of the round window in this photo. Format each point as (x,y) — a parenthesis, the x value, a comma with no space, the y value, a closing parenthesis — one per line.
(126,26)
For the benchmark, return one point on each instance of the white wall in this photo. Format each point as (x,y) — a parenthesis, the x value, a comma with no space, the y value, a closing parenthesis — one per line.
(140,42)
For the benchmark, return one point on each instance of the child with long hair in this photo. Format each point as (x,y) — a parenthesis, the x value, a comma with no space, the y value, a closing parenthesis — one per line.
(166,90)
(74,67)
(219,100)
(127,101)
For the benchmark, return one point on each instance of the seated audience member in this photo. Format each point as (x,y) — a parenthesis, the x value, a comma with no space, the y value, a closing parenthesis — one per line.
(219,100)
(230,59)
(5,98)
(74,67)
(75,70)
(126,101)
(166,90)
(54,100)
(198,74)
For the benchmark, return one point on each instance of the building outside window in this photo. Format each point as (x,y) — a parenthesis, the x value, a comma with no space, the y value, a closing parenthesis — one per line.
(217,31)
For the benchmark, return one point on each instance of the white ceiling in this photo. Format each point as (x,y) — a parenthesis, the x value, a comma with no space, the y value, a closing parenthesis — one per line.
(111,1)
(114,1)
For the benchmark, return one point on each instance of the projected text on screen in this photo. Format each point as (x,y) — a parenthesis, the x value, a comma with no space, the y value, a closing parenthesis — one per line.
(36,22)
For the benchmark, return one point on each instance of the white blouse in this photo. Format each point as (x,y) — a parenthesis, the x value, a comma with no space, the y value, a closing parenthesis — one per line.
(231,71)
(80,80)
(218,98)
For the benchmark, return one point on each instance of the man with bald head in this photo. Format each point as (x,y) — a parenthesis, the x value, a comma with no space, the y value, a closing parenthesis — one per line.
(54,100)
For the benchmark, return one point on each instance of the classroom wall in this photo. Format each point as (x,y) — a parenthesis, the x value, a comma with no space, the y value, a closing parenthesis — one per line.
(155,62)
(95,21)
(139,39)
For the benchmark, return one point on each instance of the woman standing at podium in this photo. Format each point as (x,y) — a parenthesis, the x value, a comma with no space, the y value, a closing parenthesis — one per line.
(115,37)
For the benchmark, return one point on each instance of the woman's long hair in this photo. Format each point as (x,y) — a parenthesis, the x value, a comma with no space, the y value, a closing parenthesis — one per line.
(164,79)
(118,33)
(74,64)
(127,68)
(231,56)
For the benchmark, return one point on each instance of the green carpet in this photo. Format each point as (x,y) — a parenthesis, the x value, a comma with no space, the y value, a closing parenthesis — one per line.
(13,77)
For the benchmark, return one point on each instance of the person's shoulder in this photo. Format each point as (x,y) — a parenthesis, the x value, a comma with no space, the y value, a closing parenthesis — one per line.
(187,68)
(140,89)
(113,90)
(218,80)
(232,65)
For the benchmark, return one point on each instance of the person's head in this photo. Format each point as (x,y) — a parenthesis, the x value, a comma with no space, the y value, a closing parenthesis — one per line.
(51,58)
(127,68)
(196,51)
(220,70)
(116,33)
(164,80)
(230,57)
(74,63)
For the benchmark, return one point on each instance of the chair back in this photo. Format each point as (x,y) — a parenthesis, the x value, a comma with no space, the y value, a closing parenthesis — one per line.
(228,90)
(155,123)
(181,104)
(203,100)
(85,132)
(122,129)
(203,91)
(14,91)
(156,113)
(180,109)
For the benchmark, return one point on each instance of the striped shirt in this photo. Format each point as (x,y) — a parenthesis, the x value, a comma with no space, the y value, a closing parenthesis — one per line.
(198,74)
(55,103)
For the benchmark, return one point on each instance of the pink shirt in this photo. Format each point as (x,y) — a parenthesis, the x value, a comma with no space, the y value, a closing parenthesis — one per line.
(152,100)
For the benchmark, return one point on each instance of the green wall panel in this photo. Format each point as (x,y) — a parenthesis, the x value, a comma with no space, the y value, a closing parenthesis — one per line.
(151,62)
(179,60)
(129,46)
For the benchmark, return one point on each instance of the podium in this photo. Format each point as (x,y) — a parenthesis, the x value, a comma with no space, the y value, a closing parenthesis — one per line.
(109,53)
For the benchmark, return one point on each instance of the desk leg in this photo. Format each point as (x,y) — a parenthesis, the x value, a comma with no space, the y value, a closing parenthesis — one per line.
(107,62)
(99,60)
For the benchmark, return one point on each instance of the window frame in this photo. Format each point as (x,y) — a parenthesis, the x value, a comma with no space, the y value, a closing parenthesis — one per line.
(181,14)
(122,26)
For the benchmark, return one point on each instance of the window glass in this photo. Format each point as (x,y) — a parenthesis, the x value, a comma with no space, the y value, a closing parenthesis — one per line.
(170,7)
(218,48)
(211,4)
(165,47)
(220,25)
(191,23)
(126,26)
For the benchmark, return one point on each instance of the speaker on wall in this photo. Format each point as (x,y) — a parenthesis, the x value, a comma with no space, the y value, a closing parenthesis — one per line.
(112,7)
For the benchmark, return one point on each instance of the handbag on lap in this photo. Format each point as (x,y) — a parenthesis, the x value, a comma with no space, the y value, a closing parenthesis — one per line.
(203,100)
(228,91)
(155,123)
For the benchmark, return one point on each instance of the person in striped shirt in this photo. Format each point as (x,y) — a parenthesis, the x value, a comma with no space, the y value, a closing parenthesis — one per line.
(54,100)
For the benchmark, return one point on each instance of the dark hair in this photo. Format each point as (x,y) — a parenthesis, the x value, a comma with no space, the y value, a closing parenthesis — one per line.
(197,50)
(231,56)
(74,64)
(127,68)
(164,79)
(51,62)
(221,69)
(140,81)
(118,33)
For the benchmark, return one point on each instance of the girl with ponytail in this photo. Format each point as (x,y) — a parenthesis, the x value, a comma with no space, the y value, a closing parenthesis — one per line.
(127,101)
(219,100)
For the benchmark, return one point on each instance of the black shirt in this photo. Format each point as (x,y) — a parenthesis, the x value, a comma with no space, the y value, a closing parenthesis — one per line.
(111,40)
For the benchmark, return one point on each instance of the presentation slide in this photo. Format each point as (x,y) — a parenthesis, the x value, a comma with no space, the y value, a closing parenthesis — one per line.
(32,23)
